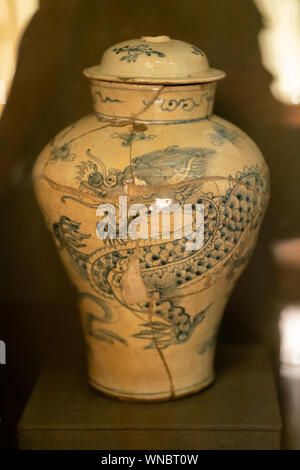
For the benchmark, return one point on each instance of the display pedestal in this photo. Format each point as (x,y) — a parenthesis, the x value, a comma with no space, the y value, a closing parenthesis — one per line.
(238,411)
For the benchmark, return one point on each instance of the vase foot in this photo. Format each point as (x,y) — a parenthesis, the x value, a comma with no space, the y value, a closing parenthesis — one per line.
(153,397)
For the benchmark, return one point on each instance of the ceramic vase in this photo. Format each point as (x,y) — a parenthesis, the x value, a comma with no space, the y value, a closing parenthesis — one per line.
(155,205)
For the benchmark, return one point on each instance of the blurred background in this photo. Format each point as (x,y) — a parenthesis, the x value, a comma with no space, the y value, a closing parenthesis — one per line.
(44,45)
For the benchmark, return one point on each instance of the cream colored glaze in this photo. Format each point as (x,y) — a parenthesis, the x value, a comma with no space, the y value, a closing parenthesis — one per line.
(196,152)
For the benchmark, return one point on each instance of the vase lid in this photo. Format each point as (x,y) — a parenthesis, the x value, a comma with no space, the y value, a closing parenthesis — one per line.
(154,59)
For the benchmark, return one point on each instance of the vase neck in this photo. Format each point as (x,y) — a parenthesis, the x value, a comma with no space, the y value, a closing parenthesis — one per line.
(153,103)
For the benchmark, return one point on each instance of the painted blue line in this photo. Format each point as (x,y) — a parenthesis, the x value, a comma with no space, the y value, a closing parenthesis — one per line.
(153,122)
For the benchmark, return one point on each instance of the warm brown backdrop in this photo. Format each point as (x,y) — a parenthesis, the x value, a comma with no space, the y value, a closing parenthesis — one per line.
(49,92)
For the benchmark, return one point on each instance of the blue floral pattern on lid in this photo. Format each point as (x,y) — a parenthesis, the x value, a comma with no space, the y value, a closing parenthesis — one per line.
(133,52)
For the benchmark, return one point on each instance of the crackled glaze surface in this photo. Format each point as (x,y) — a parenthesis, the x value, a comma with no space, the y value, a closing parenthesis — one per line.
(151,309)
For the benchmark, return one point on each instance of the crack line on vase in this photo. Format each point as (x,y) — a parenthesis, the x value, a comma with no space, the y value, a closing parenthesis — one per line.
(161,354)
(150,310)
(137,126)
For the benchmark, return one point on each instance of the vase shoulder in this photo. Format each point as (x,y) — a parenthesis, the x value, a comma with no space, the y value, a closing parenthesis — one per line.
(155,155)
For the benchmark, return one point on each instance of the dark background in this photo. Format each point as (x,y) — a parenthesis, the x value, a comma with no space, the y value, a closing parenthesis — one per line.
(49,92)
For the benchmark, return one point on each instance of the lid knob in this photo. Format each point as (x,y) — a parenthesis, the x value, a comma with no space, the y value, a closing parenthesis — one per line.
(156,38)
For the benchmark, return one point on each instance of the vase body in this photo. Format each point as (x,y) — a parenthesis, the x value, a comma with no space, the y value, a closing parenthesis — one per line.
(150,308)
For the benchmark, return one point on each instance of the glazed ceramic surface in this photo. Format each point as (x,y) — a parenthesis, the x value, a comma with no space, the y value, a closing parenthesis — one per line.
(151,308)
